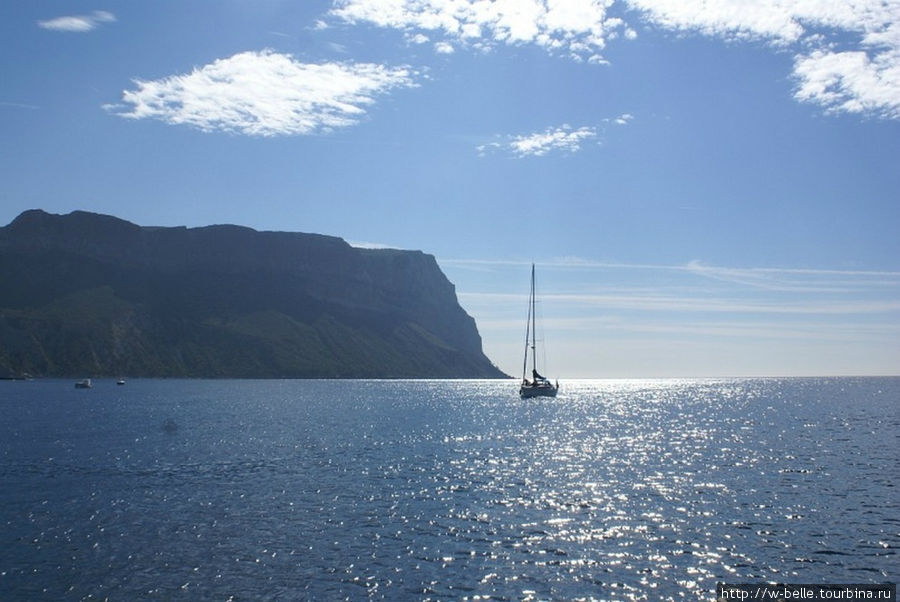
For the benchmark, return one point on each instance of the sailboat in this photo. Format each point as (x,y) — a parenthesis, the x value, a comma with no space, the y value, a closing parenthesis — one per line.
(538,386)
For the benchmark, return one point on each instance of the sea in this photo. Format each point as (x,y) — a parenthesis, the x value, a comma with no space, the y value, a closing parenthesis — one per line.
(445,490)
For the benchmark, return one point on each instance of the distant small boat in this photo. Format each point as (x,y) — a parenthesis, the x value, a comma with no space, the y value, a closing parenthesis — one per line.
(84,384)
(538,386)
(120,382)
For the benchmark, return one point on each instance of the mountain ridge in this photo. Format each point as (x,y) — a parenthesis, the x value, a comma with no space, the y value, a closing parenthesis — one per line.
(92,294)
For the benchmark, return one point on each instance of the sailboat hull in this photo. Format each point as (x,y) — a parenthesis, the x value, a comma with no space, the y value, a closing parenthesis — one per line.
(538,391)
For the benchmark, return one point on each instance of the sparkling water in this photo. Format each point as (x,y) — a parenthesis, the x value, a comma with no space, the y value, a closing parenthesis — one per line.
(327,490)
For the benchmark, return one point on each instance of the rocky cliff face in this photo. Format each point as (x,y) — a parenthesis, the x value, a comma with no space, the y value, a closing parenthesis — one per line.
(88,294)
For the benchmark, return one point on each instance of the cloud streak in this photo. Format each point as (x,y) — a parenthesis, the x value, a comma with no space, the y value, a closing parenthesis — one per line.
(596,313)
(655,309)
(264,93)
(655,302)
(78,23)
(696,288)
(595,328)
(718,272)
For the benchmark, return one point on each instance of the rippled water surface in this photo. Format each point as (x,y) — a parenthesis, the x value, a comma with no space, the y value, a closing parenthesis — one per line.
(324,490)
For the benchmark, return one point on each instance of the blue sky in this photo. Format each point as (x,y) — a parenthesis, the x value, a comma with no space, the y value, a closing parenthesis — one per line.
(708,188)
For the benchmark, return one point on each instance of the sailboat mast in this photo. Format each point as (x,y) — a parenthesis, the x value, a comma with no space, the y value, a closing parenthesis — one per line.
(527,337)
(533,330)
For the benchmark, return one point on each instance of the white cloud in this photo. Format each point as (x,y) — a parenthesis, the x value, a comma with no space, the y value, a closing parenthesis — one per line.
(734,19)
(579,28)
(444,48)
(264,94)
(78,23)
(564,138)
(847,54)
(851,81)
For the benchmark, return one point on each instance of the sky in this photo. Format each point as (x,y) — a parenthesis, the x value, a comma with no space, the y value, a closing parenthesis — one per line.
(707,187)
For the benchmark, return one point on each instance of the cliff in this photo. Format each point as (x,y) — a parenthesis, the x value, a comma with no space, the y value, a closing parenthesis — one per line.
(90,295)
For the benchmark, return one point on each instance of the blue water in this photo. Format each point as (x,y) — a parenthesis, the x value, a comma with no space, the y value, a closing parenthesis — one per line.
(326,490)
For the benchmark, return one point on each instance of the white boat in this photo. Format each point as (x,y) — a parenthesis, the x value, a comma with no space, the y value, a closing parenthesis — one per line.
(84,384)
(538,386)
